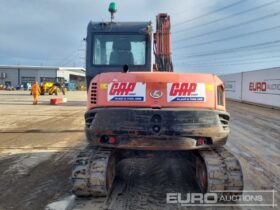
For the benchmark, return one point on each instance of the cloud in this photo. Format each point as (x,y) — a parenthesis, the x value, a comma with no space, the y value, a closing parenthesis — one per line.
(51,31)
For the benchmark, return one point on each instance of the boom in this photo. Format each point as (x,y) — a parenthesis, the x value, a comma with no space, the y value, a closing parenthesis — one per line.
(162,43)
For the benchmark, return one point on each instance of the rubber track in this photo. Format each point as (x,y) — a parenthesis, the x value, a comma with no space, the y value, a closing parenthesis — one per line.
(223,170)
(89,172)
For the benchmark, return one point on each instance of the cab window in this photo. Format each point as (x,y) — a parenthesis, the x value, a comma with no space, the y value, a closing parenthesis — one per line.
(119,50)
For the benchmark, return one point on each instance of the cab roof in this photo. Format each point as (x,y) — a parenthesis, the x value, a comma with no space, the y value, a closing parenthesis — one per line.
(136,27)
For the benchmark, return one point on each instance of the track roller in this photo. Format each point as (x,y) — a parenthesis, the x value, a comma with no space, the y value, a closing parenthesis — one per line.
(217,170)
(93,172)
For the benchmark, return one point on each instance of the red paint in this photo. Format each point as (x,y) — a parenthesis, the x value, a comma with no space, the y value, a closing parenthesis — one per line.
(122,88)
(257,86)
(55,101)
(112,140)
(183,89)
(200,141)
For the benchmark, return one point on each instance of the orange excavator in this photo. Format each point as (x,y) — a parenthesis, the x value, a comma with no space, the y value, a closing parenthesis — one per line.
(135,107)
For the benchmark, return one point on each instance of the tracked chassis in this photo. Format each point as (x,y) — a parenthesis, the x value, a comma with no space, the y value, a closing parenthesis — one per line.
(217,170)
(93,172)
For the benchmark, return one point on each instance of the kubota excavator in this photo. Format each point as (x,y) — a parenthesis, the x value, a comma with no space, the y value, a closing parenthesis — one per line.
(134,106)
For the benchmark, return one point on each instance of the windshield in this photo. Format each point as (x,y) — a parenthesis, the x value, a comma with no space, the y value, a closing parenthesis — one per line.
(119,49)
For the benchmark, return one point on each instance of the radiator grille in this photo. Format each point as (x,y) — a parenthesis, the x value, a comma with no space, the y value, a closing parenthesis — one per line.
(93,93)
(224,119)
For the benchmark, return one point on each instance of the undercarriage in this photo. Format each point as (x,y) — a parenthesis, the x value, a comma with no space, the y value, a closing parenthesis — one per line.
(216,170)
(196,135)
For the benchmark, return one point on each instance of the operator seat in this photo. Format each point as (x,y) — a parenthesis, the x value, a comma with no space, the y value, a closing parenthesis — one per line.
(121,54)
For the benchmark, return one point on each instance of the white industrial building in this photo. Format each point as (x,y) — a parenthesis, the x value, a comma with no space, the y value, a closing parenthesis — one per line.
(16,75)
(258,87)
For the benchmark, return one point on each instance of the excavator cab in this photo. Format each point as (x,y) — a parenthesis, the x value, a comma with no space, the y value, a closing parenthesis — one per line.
(113,46)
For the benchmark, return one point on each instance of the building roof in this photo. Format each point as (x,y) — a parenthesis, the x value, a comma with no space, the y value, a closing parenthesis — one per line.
(272,68)
(80,69)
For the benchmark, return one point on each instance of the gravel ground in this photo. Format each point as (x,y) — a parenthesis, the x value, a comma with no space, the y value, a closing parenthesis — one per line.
(38,144)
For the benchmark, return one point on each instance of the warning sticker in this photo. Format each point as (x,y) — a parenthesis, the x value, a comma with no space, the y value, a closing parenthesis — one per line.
(104,86)
(127,91)
(186,92)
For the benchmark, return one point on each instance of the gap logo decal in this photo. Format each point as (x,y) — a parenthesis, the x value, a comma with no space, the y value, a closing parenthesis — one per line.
(186,92)
(127,91)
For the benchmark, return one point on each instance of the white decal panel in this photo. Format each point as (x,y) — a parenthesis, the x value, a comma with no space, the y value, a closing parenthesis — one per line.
(186,92)
(127,92)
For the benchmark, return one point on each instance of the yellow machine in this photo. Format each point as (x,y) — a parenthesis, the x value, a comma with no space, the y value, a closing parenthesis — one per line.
(50,88)
(54,87)
(53,90)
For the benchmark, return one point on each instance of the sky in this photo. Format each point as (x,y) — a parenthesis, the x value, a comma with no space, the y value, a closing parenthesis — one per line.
(215,36)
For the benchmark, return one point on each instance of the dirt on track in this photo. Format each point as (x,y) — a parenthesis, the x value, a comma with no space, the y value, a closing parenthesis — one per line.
(38,144)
